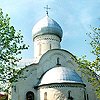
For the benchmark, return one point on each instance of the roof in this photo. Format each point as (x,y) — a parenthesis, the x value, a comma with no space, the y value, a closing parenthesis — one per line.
(47,26)
(60,75)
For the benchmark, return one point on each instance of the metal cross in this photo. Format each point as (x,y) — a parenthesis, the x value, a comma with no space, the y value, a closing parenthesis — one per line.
(47,8)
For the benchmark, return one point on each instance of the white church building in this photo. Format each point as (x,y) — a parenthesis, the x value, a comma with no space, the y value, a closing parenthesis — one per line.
(54,74)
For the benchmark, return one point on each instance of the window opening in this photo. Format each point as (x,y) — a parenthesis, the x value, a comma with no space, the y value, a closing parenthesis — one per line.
(29,95)
(69,96)
(45,96)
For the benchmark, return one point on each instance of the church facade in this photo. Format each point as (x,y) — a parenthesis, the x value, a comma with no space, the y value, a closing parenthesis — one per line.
(54,73)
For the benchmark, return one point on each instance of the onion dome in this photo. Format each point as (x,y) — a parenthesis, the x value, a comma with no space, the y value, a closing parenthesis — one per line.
(47,26)
(60,75)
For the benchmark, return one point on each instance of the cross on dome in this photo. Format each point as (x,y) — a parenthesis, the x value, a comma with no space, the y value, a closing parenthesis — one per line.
(47,8)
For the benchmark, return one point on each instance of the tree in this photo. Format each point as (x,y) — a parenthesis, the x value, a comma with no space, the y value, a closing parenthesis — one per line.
(91,69)
(11,45)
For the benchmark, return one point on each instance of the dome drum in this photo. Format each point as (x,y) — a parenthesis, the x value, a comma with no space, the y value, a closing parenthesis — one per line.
(52,85)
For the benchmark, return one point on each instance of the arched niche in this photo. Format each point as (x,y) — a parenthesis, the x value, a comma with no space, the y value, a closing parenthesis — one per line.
(29,95)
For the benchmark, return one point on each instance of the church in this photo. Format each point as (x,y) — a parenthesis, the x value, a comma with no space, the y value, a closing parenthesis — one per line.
(54,74)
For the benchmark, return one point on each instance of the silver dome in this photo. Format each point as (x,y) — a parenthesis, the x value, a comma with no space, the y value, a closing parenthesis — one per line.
(60,75)
(47,26)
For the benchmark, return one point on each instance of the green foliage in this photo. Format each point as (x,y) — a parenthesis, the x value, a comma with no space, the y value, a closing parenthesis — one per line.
(11,45)
(91,69)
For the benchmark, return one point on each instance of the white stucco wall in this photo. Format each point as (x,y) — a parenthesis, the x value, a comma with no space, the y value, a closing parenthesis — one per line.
(32,74)
(60,92)
(25,83)
(44,43)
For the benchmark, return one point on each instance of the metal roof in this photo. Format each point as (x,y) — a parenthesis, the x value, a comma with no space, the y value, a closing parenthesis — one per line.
(47,26)
(60,75)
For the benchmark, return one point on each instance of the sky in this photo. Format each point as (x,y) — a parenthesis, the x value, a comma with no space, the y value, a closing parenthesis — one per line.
(74,16)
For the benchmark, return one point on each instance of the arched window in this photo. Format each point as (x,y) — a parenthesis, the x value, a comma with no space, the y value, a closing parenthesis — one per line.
(29,95)
(45,96)
(69,96)
(84,95)
(87,97)
(50,45)
(39,49)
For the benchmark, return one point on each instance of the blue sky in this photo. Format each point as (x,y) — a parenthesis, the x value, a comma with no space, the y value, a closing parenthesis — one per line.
(74,16)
